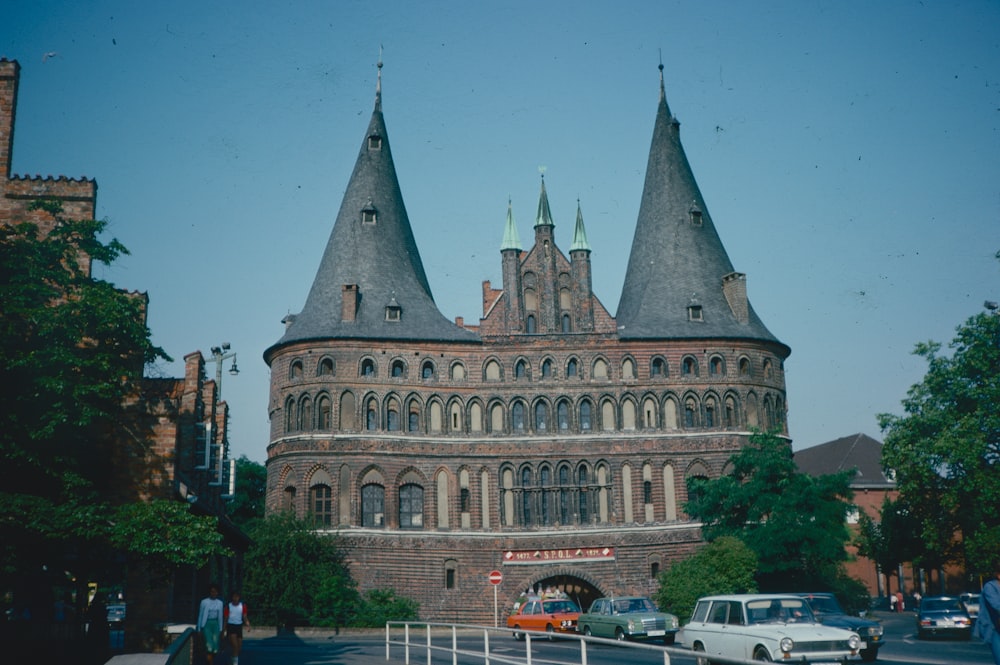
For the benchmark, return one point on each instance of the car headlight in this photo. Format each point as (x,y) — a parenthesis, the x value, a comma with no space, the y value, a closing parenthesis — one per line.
(875,630)
(631,626)
(673,623)
(786,644)
(854,642)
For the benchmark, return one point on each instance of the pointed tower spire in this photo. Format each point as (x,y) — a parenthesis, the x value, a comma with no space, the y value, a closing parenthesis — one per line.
(511,239)
(544,217)
(676,252)
(371,281)
(579,232)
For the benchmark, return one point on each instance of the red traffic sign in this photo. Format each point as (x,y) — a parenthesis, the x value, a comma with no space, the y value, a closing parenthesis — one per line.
(495,577)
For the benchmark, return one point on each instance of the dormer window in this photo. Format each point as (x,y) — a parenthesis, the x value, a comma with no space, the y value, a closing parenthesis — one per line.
(368,213)
(695,214)
(374,142)
(694,313)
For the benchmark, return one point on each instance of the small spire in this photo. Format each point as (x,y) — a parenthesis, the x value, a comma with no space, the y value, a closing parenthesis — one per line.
(544,217)
(378,81)
(579,233)
(511,240)
(663,91)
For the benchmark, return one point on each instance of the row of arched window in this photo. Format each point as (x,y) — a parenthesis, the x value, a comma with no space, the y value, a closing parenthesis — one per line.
(493,369)
(528,495)
(539,415)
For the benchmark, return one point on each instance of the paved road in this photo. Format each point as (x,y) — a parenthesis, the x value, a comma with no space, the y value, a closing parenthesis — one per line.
(325,648)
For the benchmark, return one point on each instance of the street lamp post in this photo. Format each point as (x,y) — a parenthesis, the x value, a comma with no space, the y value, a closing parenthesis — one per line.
(219,355)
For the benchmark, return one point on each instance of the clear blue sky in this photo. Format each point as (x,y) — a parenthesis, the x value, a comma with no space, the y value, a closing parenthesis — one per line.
(849,154)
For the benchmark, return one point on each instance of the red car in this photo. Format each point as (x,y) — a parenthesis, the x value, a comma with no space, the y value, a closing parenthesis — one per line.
(553,615)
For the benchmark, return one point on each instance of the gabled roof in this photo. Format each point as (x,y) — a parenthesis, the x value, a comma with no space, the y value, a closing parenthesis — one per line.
(857,451)
(372,246)
(677,259)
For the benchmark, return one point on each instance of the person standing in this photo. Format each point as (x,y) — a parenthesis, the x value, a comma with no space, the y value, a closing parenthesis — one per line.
(988,624)
(236,619)
(210,622)
(899,601)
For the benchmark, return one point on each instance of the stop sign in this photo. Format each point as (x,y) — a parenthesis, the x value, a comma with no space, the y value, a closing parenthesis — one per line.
(495,577)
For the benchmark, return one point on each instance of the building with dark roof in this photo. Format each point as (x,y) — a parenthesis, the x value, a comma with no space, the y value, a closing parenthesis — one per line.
(552,442)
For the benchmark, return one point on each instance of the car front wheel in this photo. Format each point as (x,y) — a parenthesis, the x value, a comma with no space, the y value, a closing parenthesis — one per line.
(518,635)
(760,653)
(586,631)
(619,634)
(551,632)
(700,648)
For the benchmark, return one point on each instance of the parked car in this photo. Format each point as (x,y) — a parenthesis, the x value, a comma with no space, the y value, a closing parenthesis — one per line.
(775,627)
(971,602)
(551,615)
(943,615)
(628,618)
(828,612)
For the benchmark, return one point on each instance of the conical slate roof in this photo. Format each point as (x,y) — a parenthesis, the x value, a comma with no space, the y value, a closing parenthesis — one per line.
(372,246)
(677,259)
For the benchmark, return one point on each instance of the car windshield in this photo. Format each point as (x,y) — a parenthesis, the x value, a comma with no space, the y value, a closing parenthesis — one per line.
(629,605)
(779,610)
(941,605)
(824,605)
(560,607)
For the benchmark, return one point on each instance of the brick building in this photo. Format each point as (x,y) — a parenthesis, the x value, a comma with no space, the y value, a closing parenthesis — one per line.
(552,441)
(182,419)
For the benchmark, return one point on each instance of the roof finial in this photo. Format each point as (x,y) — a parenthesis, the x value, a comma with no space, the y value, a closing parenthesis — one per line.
(663,92)
(378,82)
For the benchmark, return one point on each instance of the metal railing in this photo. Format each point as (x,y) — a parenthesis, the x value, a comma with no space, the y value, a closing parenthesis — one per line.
(439,643)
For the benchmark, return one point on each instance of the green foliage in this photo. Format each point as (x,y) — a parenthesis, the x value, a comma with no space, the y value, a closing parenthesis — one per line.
(251,487)
(73,351)
(296,576)
(891,541)
(945,450)
(166,534)
(791,520)
(725,565)
(380,605)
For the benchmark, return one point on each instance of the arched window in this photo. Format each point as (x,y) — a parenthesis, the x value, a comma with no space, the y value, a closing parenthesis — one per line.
(305,414)
(398,369)
(583,480)
(768,369)
(371,415)
(520,369)
(710,410)
(546,369)
(517,416)
(368,367)
(744,367)
(628,369)
(689,366)
(585,418)
(608,423)
(562,415)
(690,413)
(530,325)
(545,480)
(288,500)
(600,369)
(455,417)
(325,367)
(525,496)
(458,372)
(347,411)
(658,368)
(321,504)
(492,371)
(730,412)
(392,416)
(295,370)
(427,370)
(541,416)
(716,366)
(411,507)
(323,411)
(373,506)
(290,420)
(564,495)
(649,419)
(572,368)
(567,325)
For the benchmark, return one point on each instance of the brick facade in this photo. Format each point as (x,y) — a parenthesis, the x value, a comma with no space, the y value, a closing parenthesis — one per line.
(525,443)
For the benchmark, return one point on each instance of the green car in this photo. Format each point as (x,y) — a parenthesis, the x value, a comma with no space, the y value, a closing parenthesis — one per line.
(628,618)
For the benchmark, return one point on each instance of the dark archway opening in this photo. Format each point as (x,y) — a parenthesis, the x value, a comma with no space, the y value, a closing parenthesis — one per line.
(580,591)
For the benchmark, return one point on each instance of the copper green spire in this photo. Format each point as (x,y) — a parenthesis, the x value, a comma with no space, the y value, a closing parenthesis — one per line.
(544,217)
(511,240)
(579,233)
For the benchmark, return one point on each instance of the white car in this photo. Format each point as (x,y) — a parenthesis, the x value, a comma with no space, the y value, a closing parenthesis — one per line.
(769,627)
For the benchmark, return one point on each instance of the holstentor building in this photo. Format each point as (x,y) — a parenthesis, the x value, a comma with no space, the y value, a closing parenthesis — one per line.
(553,442)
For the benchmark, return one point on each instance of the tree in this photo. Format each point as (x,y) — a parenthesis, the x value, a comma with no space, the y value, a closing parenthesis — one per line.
(891,541)
(380,605)
(296,576)
(792,521)
(725,565)
(945,450)
(251,487)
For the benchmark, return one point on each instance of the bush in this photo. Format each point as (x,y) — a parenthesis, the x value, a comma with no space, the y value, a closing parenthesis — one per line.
(725,565)
(380,605)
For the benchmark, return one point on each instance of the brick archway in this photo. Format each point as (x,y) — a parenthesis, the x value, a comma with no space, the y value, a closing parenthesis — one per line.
(577,587)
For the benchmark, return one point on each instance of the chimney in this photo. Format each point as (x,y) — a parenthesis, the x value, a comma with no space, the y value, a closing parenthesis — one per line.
(734,287)
(349,302)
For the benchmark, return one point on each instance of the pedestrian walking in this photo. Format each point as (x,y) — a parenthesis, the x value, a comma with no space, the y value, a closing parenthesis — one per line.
(210,622)
(237,619)
(988,624)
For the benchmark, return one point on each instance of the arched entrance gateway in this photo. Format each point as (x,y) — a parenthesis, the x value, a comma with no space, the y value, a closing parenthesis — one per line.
(581,591)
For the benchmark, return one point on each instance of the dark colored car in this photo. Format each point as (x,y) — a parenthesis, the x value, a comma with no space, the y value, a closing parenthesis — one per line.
(943,615)
(828,612)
